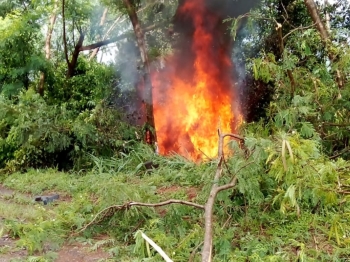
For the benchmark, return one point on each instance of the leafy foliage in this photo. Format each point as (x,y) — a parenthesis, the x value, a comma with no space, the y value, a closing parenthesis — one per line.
(20,58)
(34,133)
(291,201)
(258,219)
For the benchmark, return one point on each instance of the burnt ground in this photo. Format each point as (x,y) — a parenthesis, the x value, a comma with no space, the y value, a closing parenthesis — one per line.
(69,252)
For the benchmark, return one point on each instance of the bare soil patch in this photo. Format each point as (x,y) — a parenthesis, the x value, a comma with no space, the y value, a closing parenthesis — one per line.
(77,252)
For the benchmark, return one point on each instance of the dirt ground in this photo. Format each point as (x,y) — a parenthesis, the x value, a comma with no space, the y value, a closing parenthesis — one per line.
(69,252)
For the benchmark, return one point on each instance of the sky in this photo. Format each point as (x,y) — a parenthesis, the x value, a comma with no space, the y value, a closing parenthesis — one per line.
(333,1)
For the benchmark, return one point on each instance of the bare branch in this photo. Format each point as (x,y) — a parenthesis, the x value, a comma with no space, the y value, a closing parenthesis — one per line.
(234,136)
(215,189)
(72,64)
(104,42)
(209,206)
(93,54)
(114,39)
(108,211)
(167,202)
(289,72)
(345,150)
(298,28)
(335,124)
(227,186)
(234,180)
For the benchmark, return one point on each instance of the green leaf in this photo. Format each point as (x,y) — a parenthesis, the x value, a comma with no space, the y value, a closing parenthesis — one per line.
(307,129)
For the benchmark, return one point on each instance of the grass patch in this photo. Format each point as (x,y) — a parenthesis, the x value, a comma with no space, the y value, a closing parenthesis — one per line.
(246,228)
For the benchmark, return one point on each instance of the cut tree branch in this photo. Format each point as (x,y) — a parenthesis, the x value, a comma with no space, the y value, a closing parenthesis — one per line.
(208,207)
(108,211)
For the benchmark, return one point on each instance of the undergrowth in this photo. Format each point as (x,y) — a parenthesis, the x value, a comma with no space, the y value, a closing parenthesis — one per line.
(281,210)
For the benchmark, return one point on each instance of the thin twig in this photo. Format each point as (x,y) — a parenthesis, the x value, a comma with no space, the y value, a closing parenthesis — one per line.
(233,180)
(339,154)
(227,169)
(226,222)
(227,186)
(285,10)
(167,202)
(194,251)
(298,28)
(233,135)
(205,154)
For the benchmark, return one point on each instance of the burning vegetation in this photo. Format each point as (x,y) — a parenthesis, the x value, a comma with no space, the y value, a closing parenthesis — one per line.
(194,94)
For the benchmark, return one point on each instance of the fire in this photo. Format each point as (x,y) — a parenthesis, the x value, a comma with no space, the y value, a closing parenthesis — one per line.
(193,94)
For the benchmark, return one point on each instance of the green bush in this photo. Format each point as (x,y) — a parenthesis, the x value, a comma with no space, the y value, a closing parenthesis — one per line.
(36,134)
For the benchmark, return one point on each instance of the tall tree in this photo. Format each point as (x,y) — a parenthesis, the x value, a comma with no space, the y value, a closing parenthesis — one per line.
(322,29)
(131,10)
(51,24)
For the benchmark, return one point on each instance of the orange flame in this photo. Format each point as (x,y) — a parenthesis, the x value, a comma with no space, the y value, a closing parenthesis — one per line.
(190,105)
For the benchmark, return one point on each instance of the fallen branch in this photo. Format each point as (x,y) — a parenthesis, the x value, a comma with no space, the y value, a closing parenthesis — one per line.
(109,211)
(208,207)
(215,189)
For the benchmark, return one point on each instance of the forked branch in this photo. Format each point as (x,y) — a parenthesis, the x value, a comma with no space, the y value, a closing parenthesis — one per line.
(208,207)
(215,189)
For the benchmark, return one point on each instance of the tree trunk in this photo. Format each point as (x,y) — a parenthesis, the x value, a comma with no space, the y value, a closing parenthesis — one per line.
(312,8)
(328,18)
(322,29)
(64,35)
(73,63)
(129,4)
(48,46)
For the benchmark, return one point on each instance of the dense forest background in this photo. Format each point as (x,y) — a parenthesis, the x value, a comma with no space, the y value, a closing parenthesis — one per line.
(76,109)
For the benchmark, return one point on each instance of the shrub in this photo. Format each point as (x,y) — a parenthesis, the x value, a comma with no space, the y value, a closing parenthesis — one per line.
(36,134)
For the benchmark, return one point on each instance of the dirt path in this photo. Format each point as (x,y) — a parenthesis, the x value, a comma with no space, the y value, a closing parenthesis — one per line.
(69,252)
